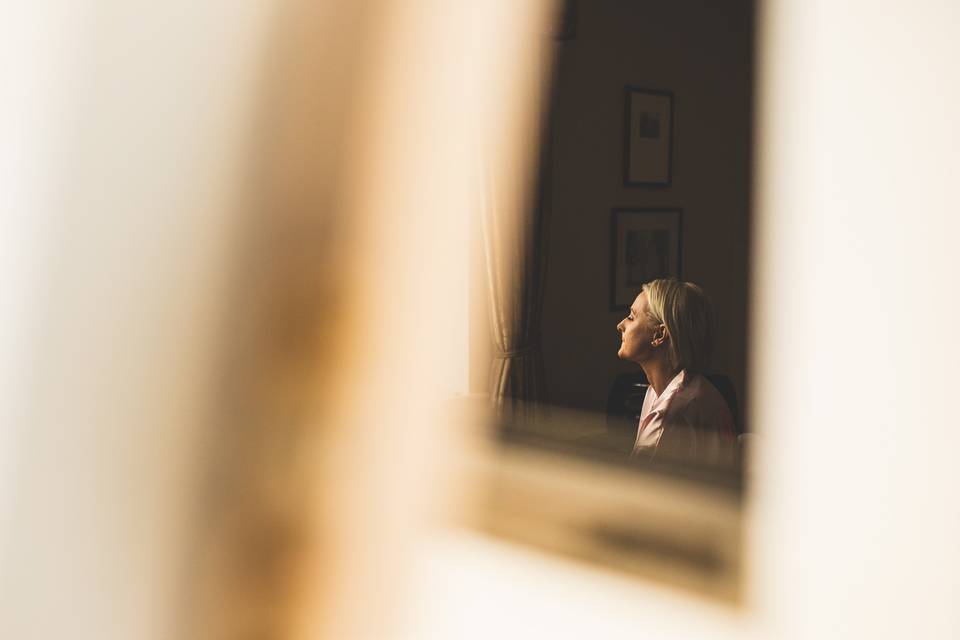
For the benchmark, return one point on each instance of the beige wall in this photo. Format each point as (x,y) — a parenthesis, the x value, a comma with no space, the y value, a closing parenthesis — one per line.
(701,51)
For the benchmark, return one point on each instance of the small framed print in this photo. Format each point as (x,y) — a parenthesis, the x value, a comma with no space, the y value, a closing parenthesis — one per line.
(645,246)
(648,148)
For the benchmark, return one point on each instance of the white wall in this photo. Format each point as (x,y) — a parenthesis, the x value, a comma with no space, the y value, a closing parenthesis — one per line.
(125,126)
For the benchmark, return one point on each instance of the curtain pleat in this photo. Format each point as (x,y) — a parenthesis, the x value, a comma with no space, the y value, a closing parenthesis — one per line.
(516,259)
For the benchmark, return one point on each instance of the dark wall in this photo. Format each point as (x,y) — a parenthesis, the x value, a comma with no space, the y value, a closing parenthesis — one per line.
(702,51)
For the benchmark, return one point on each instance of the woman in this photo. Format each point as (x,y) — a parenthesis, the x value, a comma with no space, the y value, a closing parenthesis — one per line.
(668,332)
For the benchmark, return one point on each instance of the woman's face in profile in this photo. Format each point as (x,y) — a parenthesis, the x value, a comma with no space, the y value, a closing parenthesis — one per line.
(635,331)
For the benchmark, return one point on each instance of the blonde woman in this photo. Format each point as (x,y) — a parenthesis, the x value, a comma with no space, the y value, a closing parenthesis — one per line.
(669,333)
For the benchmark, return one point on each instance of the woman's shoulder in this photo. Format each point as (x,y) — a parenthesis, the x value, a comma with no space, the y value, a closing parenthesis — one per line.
(698,395)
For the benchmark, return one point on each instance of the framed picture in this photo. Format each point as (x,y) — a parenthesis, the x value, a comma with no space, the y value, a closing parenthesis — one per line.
(648,148)
(645,246)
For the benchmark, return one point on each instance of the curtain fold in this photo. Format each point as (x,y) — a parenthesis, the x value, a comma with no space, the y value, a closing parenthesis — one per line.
(515,246)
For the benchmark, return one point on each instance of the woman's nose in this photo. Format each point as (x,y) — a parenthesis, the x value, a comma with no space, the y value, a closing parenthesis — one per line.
(620,326)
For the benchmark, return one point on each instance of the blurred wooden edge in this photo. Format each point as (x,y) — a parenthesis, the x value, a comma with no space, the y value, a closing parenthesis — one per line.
(683,533)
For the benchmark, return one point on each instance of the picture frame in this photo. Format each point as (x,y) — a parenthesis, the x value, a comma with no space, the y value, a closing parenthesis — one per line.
(648,143)
(645,245)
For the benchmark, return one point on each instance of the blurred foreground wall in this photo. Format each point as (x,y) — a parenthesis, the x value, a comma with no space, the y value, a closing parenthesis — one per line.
(233,255)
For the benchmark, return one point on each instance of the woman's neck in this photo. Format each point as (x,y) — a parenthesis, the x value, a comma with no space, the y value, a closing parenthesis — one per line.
(659,373)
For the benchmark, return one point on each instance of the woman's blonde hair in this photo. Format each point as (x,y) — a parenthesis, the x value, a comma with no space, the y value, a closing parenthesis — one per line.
(686,312)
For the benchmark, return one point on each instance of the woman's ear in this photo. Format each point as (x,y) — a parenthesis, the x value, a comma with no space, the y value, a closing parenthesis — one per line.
(660,335)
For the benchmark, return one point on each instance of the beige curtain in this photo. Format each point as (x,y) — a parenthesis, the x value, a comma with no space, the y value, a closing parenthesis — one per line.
(515,245)
(515,271)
